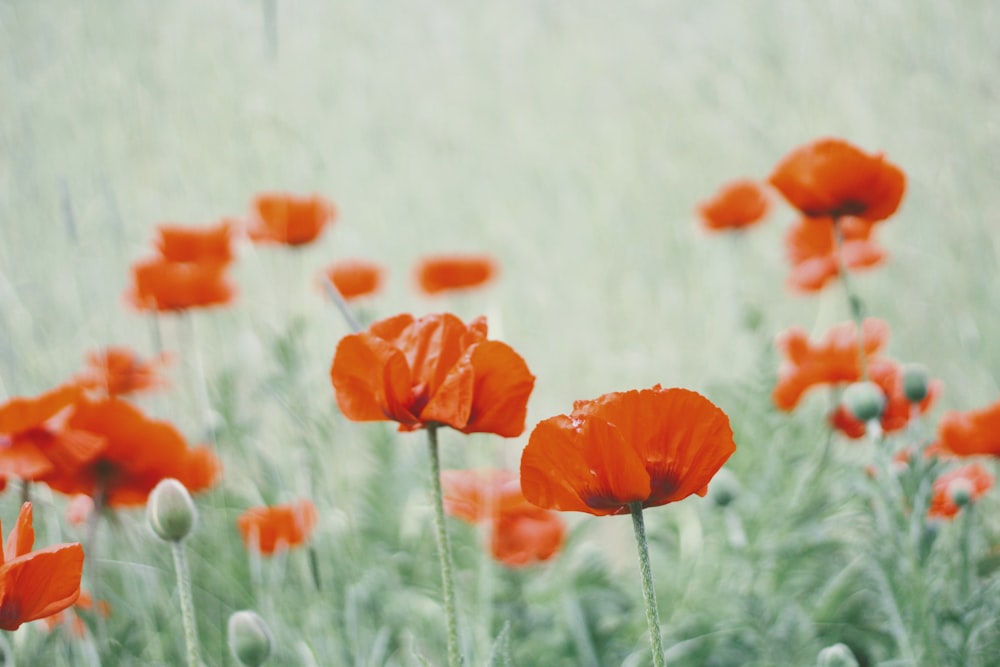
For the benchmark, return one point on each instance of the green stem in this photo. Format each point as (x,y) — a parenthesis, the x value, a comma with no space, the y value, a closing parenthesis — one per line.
(648,592)
(341,303)
(966,549)
(187,606)
(853,300)
(444,550)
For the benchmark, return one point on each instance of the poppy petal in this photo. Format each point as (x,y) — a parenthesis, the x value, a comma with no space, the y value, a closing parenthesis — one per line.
(371,379)
(40,584)
(503,384)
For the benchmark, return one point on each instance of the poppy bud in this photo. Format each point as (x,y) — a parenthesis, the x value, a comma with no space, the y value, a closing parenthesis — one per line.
(249,638)
(864,400)
(960,491)
(915,382)
(724,488)
(838,655)
(171,511)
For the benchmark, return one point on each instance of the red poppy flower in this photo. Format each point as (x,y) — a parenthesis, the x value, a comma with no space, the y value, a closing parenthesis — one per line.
(833,360)
(118,371)
(34,440)
(442,273)
(178,243)
(162,285)
(972,433)
(138,453)
(737,205)
(972,480)
(269,529)
(432,371)
(290,219)
(70,617)
(355,278)
(830,178)
(888,375)
(653,446)
(36,584)
(812,251)
(521,533)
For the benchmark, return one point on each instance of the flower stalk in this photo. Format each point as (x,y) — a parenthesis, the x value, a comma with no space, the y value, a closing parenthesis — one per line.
(854,303)
(648,592)
(444,550)
(187,605)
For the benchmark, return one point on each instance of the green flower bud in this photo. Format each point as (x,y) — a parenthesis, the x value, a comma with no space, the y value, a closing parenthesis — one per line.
(864,400)
(916,382)
(724,488)
(171,511)
(249,638)
(838,655)
(960,491)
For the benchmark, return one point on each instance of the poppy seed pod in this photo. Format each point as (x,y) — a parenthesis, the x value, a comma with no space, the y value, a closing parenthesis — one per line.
(838,655)
(960,491)
(916,382)
(171,510)
(249,638)
(864,400)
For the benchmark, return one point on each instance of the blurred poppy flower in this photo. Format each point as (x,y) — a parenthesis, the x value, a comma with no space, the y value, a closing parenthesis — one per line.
(737,205)
(971,433)
(888,375)
(521,533)
(652,446)
(178,243)
(442,273)
(269,529)
(290,219)
(161,285)
(355,278)
(971,482)
(432,371)
(812,251)
(138,453)
(833,360)
(34,439)
(118,371)
(830,178)
(36,584)
(71,618)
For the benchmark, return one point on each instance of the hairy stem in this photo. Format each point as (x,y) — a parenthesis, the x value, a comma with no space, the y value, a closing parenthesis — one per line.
(444,550)
(648,592)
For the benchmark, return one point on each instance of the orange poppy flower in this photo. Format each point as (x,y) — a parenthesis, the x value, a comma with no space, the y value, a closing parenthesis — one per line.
(830,178)
(178,243)
(290,219)
(432,371)
(355,278)
(34,440)
(521,533)
(162,285)
(70,617)
(138,453)
(118,371)
(812,251)
(269,529)
(833,360)
(651,446)
(972,479)
(442,273)
(972,433)
(36,584)
(737,205)
(888,375)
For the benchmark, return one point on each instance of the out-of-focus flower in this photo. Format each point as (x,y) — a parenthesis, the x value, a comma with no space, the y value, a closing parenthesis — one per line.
(71,618)
(161,285)
(830,178)
(290,219)
(888,375)
(269,529)
(444,273)
(138,453)
(36,584)
(178,243)
(355,278)
(812,252)
(833,360)
(968,483)
(737,205)
(971,433)
(653,447)
(521,533)
(118,371)
(435,370)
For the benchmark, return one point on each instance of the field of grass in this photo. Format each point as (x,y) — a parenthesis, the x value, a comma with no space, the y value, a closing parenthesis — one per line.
(571,140)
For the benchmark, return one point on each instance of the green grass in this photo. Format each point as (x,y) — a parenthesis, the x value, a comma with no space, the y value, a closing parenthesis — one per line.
(571,140)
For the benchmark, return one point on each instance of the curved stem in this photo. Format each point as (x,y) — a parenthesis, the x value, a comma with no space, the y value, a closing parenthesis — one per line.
(853,300)
(444,550)
(187,605)
(342,306)
(648,592)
